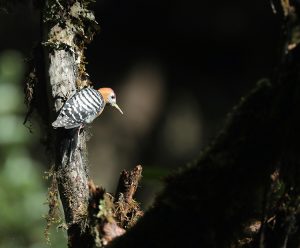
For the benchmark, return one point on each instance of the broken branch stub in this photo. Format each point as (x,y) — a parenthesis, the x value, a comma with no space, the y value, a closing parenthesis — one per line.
(127,209)
(110,216)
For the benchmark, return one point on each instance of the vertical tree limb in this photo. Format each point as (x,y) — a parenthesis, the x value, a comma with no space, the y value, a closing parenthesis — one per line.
(68,27)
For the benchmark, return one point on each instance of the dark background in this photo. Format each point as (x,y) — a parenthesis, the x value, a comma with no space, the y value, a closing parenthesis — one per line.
(177,67)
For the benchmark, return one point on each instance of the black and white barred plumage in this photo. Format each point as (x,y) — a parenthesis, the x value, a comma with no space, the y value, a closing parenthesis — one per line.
(82,108)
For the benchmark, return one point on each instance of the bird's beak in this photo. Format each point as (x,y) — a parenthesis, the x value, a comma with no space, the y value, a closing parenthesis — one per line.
(117,107)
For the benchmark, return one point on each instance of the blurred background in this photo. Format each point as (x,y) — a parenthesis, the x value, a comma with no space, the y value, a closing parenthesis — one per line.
(177,68)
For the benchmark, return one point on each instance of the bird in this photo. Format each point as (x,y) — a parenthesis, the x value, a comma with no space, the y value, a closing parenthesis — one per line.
(84,106)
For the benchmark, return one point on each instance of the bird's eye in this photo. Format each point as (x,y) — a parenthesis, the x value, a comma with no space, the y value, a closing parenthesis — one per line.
(113,97)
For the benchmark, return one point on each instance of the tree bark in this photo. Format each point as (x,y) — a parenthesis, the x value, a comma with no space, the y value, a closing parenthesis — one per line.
(68,26)
(71,168)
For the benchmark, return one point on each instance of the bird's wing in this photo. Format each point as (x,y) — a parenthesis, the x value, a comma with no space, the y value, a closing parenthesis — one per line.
(81,108)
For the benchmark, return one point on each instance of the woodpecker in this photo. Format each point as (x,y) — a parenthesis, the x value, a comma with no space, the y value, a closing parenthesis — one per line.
(84,106)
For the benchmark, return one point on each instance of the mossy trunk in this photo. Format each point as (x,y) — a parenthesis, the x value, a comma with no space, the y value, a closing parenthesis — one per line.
(67,28)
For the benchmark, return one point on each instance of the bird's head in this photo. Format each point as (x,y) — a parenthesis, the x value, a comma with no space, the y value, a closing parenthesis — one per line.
(109,96)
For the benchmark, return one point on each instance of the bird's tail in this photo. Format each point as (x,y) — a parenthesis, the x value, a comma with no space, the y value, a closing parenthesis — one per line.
(69,145)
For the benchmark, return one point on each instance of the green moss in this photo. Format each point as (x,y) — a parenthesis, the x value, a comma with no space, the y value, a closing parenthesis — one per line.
(54,215)
(106,208)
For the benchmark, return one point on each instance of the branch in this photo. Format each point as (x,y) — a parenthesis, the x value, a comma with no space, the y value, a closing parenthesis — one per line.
(128,211)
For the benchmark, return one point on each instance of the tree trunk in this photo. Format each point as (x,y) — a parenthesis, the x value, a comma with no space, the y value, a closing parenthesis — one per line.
(70,165)
(67,27)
